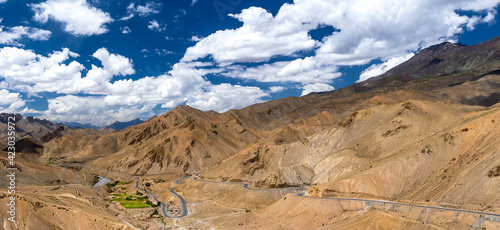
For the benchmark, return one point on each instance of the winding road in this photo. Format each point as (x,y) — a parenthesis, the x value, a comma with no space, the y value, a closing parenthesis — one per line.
(245,185)
(163,205)
(402,204)
(164,212)
(184,211)
(296,189)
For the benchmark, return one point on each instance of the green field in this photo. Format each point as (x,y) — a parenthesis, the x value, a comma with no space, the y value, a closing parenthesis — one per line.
(136,200)
(123,182)
(136,205)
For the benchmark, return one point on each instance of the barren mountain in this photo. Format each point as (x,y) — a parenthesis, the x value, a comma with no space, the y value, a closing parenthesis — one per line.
(179,141)
(186,140)
(392,127)
(426,132)
(28,127)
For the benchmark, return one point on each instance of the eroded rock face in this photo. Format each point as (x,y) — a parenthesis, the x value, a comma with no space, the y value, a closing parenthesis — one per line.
(39,130)
(53,134)
(409,140)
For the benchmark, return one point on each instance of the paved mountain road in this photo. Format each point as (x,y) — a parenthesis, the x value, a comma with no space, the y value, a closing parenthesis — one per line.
(402,204)
(163,205)
(184,212)
(245,185)
(155,198)
(164,212)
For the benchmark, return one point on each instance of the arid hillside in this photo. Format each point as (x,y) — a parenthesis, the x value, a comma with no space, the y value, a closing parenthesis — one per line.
(186,140)
(414,150)
(427,139)
(426,132)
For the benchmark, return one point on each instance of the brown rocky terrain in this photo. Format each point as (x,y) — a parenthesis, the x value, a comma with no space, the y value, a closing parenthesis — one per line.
(29,127)
(186,140)
(426,132)
(60,207)
(32,133)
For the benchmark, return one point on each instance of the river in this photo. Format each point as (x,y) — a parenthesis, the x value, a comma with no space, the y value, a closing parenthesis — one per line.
(102,181)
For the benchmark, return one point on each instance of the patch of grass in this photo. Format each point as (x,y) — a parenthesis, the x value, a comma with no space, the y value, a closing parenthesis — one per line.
(119,194)
(136,205)
(123,182)
(132,201)
(51,163)
(123,188)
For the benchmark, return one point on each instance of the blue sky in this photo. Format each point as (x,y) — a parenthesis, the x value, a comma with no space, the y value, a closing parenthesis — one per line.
(94,61)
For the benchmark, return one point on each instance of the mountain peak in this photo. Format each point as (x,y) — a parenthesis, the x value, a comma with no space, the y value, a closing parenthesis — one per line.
(118,125)
(447,58)
(443,46)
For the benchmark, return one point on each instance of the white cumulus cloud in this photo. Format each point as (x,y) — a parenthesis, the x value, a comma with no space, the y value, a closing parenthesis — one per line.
(142,10)
(10,102)
(224,97)
(365,30)
(126,30)
(13,35)
(26,71)
(261,37)
(195,38)
(93,110)
(316,87)
(129,98)
(78,17)
(276,89)
(379,69)
(115,64)
(304,71)
(154,25)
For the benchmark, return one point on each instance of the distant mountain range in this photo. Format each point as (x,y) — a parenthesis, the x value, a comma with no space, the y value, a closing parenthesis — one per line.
(77,125)
(116,125)
(28,127)
(43,130)
(123,125)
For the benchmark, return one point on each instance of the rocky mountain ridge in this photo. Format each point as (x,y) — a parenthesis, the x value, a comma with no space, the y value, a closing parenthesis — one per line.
(418,135)
(187,140)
